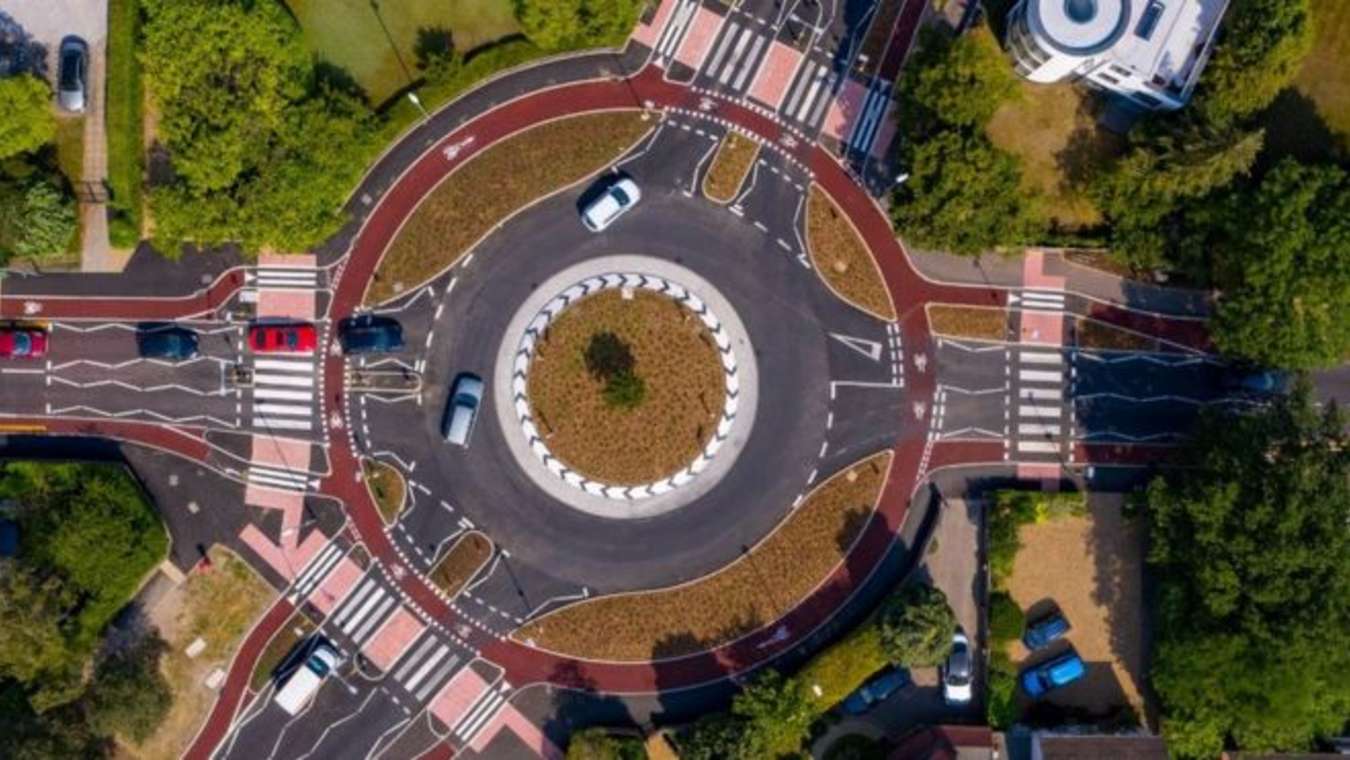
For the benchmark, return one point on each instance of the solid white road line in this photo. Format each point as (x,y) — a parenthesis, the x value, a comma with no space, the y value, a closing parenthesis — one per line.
(1038,411)
(1039,376)
(1028,357)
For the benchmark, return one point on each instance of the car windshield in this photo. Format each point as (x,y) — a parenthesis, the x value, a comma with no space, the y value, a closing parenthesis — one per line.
(958,665)
(22,343)
(292,337)
(317,664)
(70,77)
(620,196)
(465,399)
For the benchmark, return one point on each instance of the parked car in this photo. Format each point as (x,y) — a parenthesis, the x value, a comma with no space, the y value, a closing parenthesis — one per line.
(295,337)
(957,672)
(370,334)
(1263,383)
(620,196)
(1045,631)
(1052,674)
(875,691)
(462,411)
(23,343)
(171,342)
(302,684)
(74,70)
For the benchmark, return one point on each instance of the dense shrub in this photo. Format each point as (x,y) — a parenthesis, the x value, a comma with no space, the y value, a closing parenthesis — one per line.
(916,627)
(1006,619)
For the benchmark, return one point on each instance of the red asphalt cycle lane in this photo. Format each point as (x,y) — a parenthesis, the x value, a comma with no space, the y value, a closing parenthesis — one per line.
(38,306)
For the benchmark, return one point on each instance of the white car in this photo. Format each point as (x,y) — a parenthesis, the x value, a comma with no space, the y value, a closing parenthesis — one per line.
(304,683)
(617,198)
(957,672)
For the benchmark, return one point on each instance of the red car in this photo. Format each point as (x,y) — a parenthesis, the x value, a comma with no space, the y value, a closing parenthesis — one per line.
(282,338)
(23,343)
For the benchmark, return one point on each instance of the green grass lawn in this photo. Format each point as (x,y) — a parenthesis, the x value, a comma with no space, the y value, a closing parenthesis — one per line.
(1053,130)
(1326,73)
(123,121)
(351,34)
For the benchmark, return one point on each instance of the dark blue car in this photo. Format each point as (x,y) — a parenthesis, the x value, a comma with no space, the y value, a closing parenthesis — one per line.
(370,334)
(875,691)
(1045,631)
(1051,675)
(167,342)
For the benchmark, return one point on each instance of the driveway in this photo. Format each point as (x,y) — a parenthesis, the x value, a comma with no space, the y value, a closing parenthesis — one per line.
(47,22)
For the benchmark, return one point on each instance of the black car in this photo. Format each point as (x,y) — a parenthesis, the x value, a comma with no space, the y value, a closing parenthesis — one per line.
(167,342)
(370,334)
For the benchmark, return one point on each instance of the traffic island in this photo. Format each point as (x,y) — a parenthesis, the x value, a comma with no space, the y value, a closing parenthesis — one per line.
(842,259)
(494,185)
(626,387)
(974,322)
(387,488)
(735,157)
(761,586)
(461,563)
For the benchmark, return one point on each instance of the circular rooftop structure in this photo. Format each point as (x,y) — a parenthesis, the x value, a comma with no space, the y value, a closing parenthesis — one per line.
(1080,27)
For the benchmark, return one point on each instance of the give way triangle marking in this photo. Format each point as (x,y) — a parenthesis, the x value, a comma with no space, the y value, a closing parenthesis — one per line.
(869,348)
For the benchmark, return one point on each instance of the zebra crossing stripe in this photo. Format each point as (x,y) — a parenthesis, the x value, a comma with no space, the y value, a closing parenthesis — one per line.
(277,479)
(293,381)
(367,586)
(270,423)
(366,607)
(1038,411)
(410,662)
(1042,447)
(362,632)
(1044,394)
(422,672)
(285,410)
(479,715)
(277,394)
(741,42)
(722,45)
(1037,428)
(286,365)
(806,74)
(317,569)
(675,28)
(436,678)
(811,94)
(1039,376)
(748,63)
(1029,357)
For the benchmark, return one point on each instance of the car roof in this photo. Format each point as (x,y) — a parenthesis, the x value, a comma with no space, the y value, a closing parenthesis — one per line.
(1066,668)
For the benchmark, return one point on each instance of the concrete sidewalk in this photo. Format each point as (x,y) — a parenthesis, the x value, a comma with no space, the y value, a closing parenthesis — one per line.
(1006,271)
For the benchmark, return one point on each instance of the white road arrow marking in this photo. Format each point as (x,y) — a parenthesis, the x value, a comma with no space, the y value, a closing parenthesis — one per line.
(869,348)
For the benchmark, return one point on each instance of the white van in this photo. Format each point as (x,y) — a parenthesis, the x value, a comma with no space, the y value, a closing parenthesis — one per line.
(304,683)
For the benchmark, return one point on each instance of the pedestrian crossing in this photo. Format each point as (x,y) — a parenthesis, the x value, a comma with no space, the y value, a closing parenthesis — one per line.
(811,93)
(488,704)
(1039,380)
(736,56)
(669,41)
(1042,300)
(425,667)
(314,573)
(276,477)
(283,393)
(286,278)
(869,122)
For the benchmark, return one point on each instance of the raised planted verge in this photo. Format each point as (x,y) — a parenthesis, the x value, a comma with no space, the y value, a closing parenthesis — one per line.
(735,156)
(842,259)
(626,386)
(799,555)
(387,488)
(461,563)
(1092,333)
(519,170)
(974,322)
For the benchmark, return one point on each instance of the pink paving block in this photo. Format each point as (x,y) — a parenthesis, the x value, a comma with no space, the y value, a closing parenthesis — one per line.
(299,556)
(266,550)
(286,304)
(1038,471)
(699,38)
(885,133)
(775,74)
(845,109)
(457,696)
(1042,328)
(286,453)
(393,638)
(648,34)
(1033,273)
(298,260)
(528,733)
(336,586)
(273,498)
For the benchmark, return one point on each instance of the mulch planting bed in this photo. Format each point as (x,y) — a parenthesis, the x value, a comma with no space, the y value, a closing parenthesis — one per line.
(461,562)
(839,255)
(716,609)
(730,166)
(1089,333)
(675,358)
(386,488)
(969,322)
(495,184)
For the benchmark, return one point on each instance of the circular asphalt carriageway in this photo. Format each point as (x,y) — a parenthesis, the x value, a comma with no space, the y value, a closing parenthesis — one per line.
(790,429)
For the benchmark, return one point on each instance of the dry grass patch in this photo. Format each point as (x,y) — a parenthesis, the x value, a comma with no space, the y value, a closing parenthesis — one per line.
(1325,76)
(677,361)
(807,546)
(1053,130)
(461,562)
(1092,568)
(495,184)
(976,322)
(283,641)
(842,259)
(218,606)
(1091,333)
(735,156)
(387,488)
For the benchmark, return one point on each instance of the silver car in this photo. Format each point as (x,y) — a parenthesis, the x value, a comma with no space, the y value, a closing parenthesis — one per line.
(72,81)
(462,411)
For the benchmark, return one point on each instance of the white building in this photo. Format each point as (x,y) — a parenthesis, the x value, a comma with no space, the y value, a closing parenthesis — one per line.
(1150,51)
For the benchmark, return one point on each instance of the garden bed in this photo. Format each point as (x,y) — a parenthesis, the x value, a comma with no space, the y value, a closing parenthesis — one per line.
(1090,333)
(674,358)
(735,156)
(719,608)
(460,564)
(520,169)
(978,322)
(387,488)
(842,259)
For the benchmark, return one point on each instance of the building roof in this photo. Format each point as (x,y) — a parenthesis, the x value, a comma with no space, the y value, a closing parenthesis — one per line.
(1098,747)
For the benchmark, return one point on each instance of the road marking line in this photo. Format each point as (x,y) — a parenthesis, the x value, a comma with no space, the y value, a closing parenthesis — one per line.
(364,631)
(367,585)
(361,614)
(1028,357)
(1038,411)
(1045,447)
(290,410)
(282,424)
(1035,428)
(1046,394)
(280,395)
(294,381)
(426,668)
(1039,376)
(410,662)
(284,364)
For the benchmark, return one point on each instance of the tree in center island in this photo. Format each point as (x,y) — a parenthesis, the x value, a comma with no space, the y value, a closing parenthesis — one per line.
(609,358)
(1250,547)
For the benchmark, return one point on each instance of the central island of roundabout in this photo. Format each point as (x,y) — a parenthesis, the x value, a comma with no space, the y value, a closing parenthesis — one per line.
(779,463)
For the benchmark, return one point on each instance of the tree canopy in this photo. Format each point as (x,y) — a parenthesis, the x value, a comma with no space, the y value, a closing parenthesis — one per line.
(1253,558)
(36,218)
(917,627)
(1261,46)
(1280,261)
(264,149)
(563,24)
(26,102)
(961,81)
(770,718)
